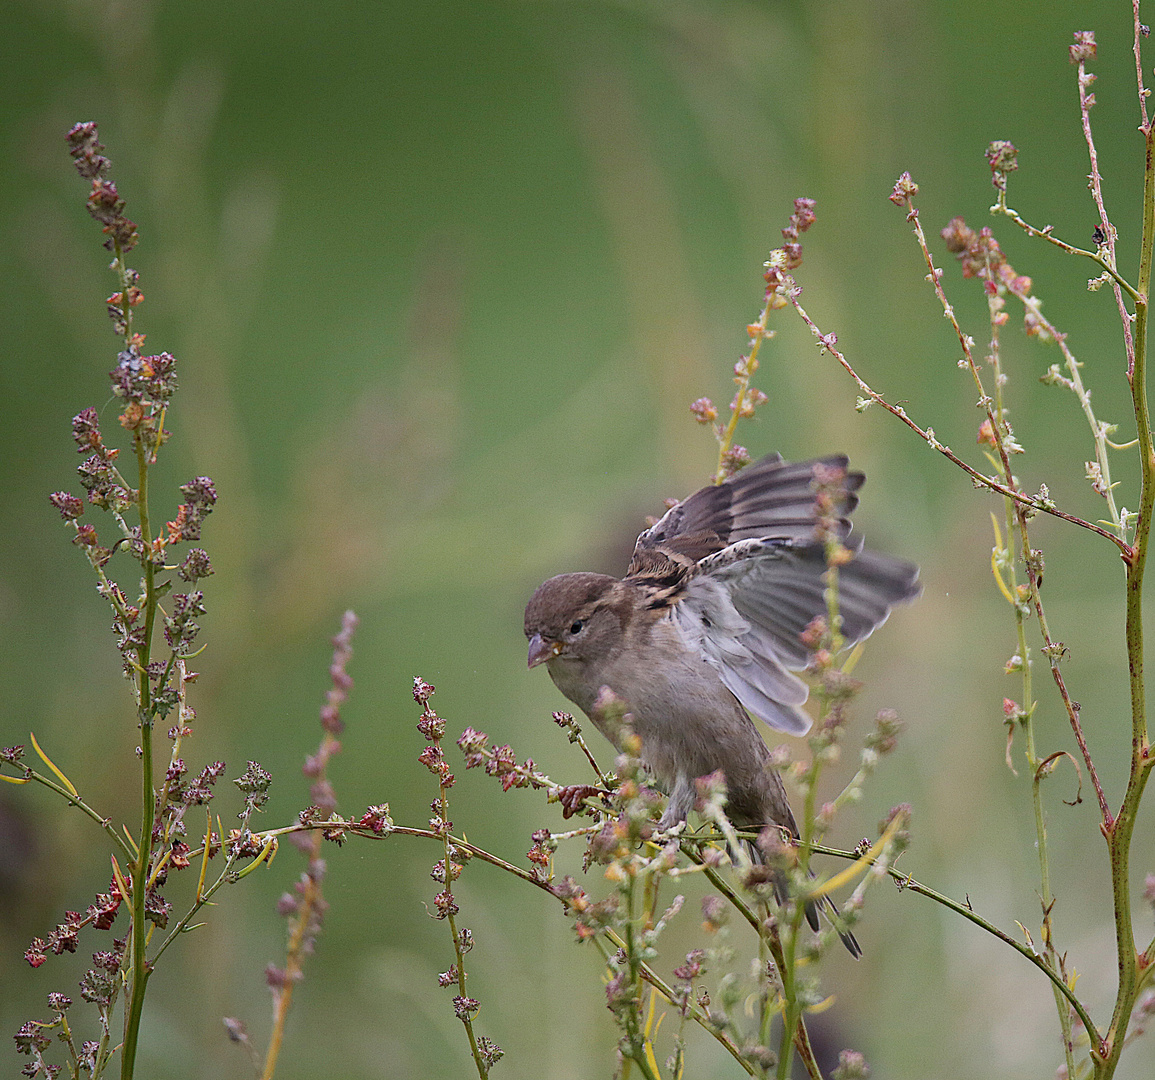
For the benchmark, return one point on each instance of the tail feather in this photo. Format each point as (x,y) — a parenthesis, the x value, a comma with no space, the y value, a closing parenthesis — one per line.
(827,906)
(830,910)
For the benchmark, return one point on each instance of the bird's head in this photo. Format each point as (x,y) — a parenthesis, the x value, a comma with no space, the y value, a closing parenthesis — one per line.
(574,618)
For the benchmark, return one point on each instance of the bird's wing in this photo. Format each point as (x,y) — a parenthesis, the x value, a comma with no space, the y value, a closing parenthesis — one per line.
(742,574)
(708,621)
(772,497)
(747,606)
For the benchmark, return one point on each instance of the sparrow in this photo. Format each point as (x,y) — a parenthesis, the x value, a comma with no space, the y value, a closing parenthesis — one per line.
(705,630)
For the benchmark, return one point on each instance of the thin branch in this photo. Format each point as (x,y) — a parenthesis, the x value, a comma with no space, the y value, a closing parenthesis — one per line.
(80,804)
(1141,31)
(1108,244)
(1054,651)
(1046,233)
(1031,502)
(906,882)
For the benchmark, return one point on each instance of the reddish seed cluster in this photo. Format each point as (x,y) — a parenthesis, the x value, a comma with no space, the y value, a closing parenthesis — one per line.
(830,500)
(1084,48)
(903,191)
(180,628)
(694,966)
(791,252)
(97,473)
(500,761)
(887,728)
(1003,158)
(715,914)
(104,203)
(254,785)
(200,498)
(589,918)
(64,938)
(433,758)
(377,818)
(490,1052)
(904,811)
(198,791)
(980,256)
(801,220)
(704,411)
(473,745)
(540,854)
(143,381)
(243,844)
(439,825)
(321,790)
(814,633)
(342,683)
(195,566)
(737,457)
(438,872)
(504,765)
(711,787)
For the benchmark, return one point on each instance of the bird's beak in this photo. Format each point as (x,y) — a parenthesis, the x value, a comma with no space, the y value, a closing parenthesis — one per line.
(541,650)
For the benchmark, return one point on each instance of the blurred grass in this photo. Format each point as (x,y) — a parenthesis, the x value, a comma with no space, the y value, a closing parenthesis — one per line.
(442,280)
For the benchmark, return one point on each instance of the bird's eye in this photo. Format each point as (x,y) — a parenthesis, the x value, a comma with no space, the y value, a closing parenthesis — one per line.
(577,626)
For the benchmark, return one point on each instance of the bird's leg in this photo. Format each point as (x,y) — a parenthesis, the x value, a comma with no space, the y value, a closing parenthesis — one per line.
(681,803)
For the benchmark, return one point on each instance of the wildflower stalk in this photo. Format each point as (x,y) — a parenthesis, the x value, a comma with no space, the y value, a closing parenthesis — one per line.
(1135,967)
(1015,522)
(745,399)
(141,969)
(1120,830)
(432,727)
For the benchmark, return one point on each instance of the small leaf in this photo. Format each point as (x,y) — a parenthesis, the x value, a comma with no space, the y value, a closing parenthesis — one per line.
(59,775)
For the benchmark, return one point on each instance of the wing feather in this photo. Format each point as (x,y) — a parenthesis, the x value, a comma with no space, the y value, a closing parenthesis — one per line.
(772,497)
(740,569)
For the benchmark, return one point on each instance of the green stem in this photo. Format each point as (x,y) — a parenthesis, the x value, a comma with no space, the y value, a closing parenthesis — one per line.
(1016,523)
(458,950)
(635,1037)
(141,969)
(909,884)
(1031,502)
(1045,234)
(726,436)
(1120,831)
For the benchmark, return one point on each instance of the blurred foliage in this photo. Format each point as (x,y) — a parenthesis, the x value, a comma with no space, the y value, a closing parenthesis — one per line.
(442,279)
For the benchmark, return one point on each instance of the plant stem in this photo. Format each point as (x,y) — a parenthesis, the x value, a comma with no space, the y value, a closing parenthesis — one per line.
(1016,522)
(141,969)
(1032,502)
(1120,831)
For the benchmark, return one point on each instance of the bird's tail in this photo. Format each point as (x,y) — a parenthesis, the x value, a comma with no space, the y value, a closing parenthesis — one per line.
(832,913)
(824,905)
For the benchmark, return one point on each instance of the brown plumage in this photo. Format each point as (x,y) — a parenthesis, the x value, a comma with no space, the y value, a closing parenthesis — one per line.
(705,628)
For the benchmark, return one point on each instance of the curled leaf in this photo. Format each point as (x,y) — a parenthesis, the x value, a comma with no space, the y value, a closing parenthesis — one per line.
(1047,766)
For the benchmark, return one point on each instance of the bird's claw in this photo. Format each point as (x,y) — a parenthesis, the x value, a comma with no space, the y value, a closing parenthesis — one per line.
(670,831)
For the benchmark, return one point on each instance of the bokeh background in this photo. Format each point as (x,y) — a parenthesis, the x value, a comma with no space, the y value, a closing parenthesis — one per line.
(442,279)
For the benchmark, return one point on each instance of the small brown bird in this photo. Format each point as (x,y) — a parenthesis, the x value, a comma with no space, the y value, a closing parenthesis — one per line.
(705,628)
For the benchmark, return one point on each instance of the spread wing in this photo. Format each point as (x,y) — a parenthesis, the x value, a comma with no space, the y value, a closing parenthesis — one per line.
(772,497)
(741,571)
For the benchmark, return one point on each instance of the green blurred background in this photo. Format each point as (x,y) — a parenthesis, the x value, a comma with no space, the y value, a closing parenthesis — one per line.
(442,279)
